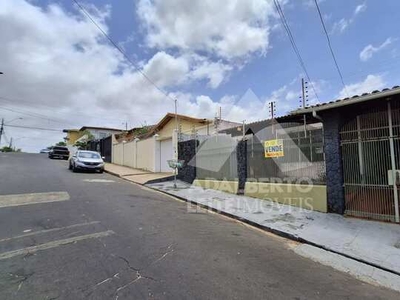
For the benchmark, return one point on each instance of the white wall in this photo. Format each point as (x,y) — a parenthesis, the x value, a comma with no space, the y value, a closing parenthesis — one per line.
(117,155)
(146,154)
(136,154)
(129,154)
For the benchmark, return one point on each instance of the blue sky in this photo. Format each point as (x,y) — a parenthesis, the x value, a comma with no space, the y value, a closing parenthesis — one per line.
(205,53)
(265,73)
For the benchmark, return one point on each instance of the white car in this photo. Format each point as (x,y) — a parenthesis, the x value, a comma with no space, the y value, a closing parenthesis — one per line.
(86,160)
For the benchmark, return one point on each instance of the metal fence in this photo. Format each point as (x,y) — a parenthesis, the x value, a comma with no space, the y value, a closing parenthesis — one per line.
(302,160)
(216,158)
(370,145)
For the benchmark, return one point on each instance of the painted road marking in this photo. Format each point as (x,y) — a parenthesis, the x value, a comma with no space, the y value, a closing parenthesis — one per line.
(54,244)
(33,198)
(98,180)
(47,231)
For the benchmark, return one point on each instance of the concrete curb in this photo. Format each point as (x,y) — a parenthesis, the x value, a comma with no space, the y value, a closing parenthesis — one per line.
(269,229)
(163,179)
(113,173)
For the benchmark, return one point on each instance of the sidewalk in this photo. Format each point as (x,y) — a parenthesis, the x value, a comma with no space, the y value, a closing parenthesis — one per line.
(374,243)
(136,175)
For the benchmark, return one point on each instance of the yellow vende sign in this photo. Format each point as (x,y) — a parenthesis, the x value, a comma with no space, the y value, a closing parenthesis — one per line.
(273,148)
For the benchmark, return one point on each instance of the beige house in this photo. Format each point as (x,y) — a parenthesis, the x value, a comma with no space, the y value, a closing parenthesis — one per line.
(151,151)
(75,135)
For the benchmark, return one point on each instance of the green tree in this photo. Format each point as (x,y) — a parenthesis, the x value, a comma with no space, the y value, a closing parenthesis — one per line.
(61,143)
(81,145)
(84,144)
(143,130)
(9,149)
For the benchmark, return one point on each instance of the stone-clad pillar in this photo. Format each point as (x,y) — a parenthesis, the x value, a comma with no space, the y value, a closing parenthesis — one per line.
(332,122)
(241,155)
(187,152)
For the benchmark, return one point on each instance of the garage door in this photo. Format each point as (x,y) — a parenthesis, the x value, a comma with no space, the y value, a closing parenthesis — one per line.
(166,153)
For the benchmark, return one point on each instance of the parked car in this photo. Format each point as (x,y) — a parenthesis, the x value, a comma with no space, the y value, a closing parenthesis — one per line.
(86,160)
(59,151)
(45,151)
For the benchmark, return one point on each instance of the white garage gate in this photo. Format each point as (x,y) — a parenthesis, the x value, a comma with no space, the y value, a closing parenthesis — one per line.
(166,153)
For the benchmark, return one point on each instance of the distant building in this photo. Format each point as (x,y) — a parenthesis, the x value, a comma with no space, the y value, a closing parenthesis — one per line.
(72,136)
(75,135)
(100,132)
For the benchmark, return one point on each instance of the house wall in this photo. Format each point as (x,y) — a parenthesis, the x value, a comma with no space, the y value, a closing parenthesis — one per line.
(135,154)
(72,137)
(146,154)
(168,129)
(309,197)
(129,150)
(117,154)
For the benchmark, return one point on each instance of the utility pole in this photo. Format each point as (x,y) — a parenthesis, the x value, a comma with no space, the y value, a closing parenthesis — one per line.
(303,93)
(10,143)
(176,142)
(176,127)
(304,104)
(272,111)
(244,128)
(1,128)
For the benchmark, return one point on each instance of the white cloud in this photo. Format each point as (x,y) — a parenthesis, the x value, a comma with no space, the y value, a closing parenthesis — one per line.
(61,73)
(370,50)
(167,70)
(369,84)
(341,25)
(62,68)
(214,72)
(161,64)
(291,95)
(226,28)
(360,8)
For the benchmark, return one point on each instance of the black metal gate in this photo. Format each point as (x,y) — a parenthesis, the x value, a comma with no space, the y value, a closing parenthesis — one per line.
(370,145)
(106,148)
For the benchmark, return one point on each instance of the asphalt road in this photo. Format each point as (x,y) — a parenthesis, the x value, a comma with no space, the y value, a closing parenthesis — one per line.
(116,240)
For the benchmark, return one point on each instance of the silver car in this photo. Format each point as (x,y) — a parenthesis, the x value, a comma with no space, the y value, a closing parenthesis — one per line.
(86,160)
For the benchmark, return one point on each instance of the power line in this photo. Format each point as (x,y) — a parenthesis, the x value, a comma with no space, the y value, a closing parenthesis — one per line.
(330,46)
(35,115)
(293,43)
(6,138)
(35,128)
(120,50)
(12,100)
